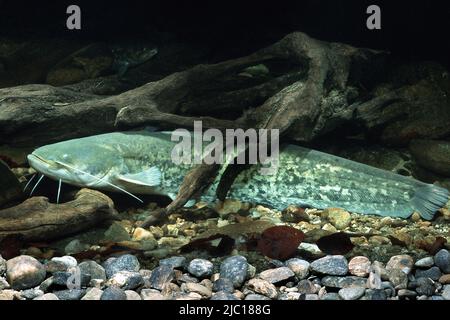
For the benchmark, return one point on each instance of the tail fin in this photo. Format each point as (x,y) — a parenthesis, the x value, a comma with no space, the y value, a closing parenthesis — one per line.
(428,199)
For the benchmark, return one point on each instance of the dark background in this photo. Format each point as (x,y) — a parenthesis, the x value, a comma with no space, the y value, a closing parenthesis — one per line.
(411,29)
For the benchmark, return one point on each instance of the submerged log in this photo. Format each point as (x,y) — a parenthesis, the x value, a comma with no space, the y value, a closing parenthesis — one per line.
(36,219)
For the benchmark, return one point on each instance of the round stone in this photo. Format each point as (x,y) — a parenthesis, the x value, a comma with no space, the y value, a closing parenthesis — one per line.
(201,268)
(234,268)
(113,293)
(359,266)
(223,284)
(47,296)
(126,262)
(331,296)
(126,280)
(442,260)
(277,275)
(221,295)
(174,262)
(70,294)
(376,294)
(299,267)
(338,217)
(398,278)
(67,261)
(161,276)
(306,287)
(93,294)
(426,262)
(446,292)
(93,269)
(254,296)
(425,286)
(263,287)
(132,295)
(434,273)
(402,262)
(24,272)
(351,293)
(335,265)
(445,279)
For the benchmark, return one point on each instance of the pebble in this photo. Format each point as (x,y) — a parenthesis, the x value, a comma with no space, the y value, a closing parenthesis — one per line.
(299,267)
(173,262)
(2,265)
(7,295)
(406,293)
(170,289)
(116,233)
(338,217)
(31,293)
(24,272)
(331,296)
(151,294)
(335,265)
(342,282)
(277,275)
(374,280)
(254,296)
(47,296)
(93,294)
(359,266)
(132,295)
(201,268)
(160,276)
(402,262)
(442,260)
(66,261)
(425,286)
(306,287)
(184,278)
(113,293)
(187,296)
(379,268)
(434,273)
(93,269)
(197,288)
(398,278)
(221,295)
(289,296)
(376,294)
(351,293)
(126,280)
(140,234)
(46,284)
(234,268)
(224,285)
(75,246)
(62,278)
(263,287)
(446,292)
(445,279)
(4,284)
(126,262)
(70,294)
(426,262)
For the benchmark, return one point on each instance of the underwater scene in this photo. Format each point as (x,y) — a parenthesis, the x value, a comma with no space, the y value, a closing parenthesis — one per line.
(224,151)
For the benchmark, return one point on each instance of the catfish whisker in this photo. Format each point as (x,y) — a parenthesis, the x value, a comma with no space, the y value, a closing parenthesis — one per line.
(37,183)
(59,191)
(29,181)
(103,180)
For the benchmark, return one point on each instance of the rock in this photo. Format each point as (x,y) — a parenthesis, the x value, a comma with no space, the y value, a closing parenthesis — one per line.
(433,273)
(187,296)
(351,293)
(306,287)
(4,284)
(311,297)
(185,278)
(75,246)
(405,293)
(331,265)
(277,275)
(289,296)
(263,287)
(254,296)
(251,271)
(170,289)
(376,294)
(151,294)
(11,188)
(379,268)
(113,293)
(160,276)
(445,279)
(126,280)
(331,296)
(311,248)
(132,295)
(234,268)
(433,155)
(31,293)
(93,269)
(201,268)
(223,284)
(47,296)
(197,288)
(338,217)
(60,264)
(359,266)
(8,295)
(62,278)
(46,284)
(426,262)
(174,262)
(442,260)
(93,294)
(343,282)
(126,262)
(299,267)
(2,265)
(117,233)
(70,294)
(221,295)
(24,272)
(425,286)
(398,278)
(400,262)
(140,234)
(446,292)
(374,280)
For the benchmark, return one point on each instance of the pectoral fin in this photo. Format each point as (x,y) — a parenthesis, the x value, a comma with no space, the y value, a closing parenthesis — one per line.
(149,178)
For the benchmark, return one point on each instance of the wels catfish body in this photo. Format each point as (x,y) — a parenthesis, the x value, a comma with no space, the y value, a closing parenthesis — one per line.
(140,163)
